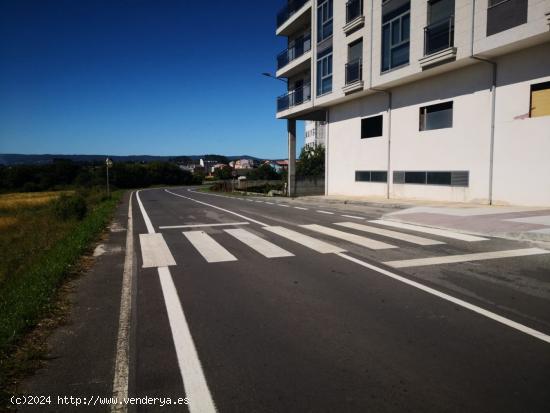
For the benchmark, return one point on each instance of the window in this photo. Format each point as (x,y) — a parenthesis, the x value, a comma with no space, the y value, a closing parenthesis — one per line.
(396,23)
(436,116)
(540,100)
(371,127)
(439,34)
(505,14)
(324,72)
(371,176)
(354,66)
(444,178)
(324,20)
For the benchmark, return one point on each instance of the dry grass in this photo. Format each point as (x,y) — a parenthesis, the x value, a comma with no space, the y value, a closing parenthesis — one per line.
(6,222)
(28,199)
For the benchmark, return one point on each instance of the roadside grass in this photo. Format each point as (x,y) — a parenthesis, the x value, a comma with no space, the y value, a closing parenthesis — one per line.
(38,251)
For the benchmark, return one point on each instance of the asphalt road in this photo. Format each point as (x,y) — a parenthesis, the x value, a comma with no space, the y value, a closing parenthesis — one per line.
(333,331)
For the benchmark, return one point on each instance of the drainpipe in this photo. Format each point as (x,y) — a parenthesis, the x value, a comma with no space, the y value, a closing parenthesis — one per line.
(493,102)
(327,119)
(387,92)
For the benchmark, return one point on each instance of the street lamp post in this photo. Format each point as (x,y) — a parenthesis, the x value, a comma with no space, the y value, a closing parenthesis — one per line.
(108,164)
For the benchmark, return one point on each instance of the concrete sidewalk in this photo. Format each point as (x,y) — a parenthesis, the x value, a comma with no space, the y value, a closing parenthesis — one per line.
(511,222)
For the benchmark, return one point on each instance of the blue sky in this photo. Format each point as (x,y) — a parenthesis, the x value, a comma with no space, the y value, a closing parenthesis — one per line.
(120,77)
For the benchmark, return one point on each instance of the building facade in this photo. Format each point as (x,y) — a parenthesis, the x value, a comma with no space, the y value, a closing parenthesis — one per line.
(314,133)
(443,100)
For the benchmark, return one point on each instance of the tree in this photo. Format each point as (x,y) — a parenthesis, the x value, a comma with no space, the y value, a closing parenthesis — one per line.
(223,173)
(265,171)
(311,161)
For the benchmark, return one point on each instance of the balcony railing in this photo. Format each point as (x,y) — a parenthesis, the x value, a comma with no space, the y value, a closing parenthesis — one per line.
(294,97)
(300,46)
(354,71)
(354,9)
(439,35)
(292,7)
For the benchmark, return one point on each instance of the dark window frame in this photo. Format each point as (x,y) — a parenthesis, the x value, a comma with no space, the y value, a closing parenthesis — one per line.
(433,178)
(395,20)
(379,176)
(425,110)
(380,127)
(534,88)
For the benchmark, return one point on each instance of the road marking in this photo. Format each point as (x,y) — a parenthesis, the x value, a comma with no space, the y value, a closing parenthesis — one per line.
(261,202)
(283,205)
(154,251)
(120,380)
(390,234)
(208,247)
(203,225)
(346,236)
(434,231)
(148,223)
(325,212)
(457,301)
(264,247)
(270,203)
(305,240)
(217,207)
(352,216)
(303,209)
(465,257)
(192,374)
(250,200)
(194,382)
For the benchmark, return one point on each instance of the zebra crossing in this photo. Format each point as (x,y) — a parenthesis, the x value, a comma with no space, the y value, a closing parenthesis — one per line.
(156,252)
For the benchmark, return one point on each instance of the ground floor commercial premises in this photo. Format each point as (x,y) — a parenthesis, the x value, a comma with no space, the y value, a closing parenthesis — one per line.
(444,138)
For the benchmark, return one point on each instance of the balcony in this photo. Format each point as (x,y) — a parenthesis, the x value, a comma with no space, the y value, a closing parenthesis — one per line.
(354,16)
(354,76)
(298,48)
(438,43)
(294,97)
(293,16)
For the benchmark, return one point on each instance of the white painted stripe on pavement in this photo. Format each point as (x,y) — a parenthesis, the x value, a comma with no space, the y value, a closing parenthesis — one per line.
(325,212)
(154,251)
(283,205)
(448,259)
(208,247)
(457,301)
(189,364)
(194,382)
(217,207)
(120,380)
(346,236)
(148,223)
(303,209)
(270,203)
(428,230)
(203,225)
(352,216)
(305,240)
(390,234)
(264,247)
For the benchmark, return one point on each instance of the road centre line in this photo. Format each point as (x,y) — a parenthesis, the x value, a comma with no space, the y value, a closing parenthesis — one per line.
(283,205)
(194,381)
(486,313)
(217,207)
(447,259)
(302,208)
(203,225)
(325,212)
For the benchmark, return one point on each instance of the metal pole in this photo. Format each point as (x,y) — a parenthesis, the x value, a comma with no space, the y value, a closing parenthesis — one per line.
(108,192)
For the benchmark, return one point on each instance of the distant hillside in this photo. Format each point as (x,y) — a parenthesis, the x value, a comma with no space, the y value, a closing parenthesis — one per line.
(20,159)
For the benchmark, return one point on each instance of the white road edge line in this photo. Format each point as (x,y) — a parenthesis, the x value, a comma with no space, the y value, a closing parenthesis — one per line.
(194,382)
(486,313)
(203,225)
(217,207)
(120,380)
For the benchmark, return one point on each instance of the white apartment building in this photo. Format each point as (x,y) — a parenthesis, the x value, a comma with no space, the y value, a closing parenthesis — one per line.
(424,99)
(314,133)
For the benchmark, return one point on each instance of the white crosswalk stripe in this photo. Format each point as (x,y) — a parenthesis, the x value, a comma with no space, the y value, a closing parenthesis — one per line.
(209,248)
(305,240)
(390,234)
(262,246)
(448,259)
(346,236)
(434,231)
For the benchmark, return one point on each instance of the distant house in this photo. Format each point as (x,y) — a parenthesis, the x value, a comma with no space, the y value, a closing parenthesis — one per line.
(283,164)
(245,164)
(218,166)
(276,167)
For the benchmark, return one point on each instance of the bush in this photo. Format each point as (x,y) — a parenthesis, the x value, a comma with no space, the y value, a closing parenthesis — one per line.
(70,207)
